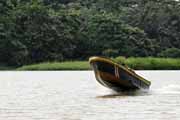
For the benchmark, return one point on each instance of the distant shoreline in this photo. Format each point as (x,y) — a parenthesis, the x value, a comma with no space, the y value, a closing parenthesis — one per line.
(139,63)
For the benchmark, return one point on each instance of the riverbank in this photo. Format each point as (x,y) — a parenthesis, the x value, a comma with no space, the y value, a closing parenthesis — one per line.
(70,65)
(2,68)
(148,63)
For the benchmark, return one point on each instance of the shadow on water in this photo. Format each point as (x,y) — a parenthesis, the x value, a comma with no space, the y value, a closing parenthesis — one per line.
(126,94)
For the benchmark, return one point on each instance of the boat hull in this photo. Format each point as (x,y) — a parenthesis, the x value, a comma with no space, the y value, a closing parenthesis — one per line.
(115,76)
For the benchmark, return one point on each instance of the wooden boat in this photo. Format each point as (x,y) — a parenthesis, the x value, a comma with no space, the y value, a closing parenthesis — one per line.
(116,76)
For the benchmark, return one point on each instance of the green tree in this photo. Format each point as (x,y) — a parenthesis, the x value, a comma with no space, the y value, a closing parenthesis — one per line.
(159,19)
(170,52)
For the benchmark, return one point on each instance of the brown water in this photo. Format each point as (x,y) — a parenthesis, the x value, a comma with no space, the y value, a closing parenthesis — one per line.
(70,95)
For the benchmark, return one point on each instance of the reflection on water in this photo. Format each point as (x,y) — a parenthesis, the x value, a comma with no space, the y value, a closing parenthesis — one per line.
(77,96)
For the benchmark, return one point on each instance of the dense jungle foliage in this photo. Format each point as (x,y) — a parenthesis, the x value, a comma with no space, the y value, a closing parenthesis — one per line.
(33,31)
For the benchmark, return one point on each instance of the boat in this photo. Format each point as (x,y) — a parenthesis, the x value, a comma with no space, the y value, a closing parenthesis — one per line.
(116,76)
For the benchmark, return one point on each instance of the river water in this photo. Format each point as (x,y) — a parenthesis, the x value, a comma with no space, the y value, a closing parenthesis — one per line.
(75,95)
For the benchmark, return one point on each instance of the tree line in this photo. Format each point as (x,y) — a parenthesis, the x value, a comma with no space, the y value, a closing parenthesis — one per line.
(33,31)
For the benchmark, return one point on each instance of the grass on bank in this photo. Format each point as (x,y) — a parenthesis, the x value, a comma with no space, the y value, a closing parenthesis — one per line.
(148,63)
(71,65)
